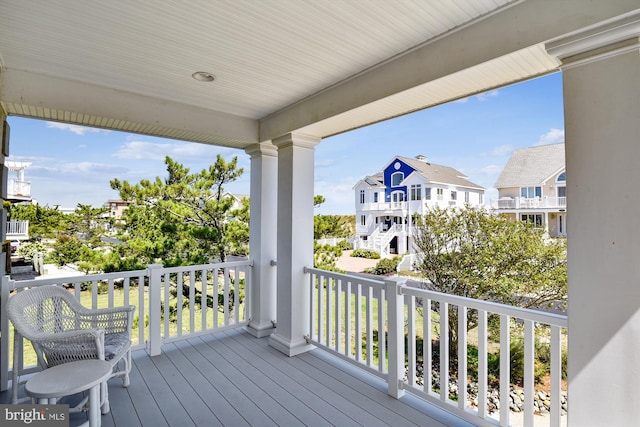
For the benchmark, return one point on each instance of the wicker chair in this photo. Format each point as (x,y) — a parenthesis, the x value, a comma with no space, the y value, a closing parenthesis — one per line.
(61,330)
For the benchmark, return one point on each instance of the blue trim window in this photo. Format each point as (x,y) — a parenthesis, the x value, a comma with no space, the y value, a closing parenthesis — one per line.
(396,178)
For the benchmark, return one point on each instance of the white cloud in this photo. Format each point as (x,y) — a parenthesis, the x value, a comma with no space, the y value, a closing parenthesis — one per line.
(554,136)
(502,150)
(83,168)
(462,100)
(78,130)
(486,95)
(340,199)
(143,150)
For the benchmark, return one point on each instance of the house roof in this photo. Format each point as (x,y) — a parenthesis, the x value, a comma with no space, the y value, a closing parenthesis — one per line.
(439,173)
(532,166)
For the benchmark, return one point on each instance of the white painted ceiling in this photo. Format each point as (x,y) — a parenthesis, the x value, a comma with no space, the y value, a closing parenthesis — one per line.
(280,65)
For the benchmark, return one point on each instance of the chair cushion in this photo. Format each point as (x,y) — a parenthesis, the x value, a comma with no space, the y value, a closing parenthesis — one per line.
(115,344)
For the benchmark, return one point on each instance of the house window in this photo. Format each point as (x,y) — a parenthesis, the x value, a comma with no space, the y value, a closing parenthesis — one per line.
(427,193)
(466,197)
(562,177)
(361,196)
(398,196)
(416,192)
(375,197)
(396,179)
(439,193)
(481,198)
(363,220)
(454,195)
(535,219)
(530,192)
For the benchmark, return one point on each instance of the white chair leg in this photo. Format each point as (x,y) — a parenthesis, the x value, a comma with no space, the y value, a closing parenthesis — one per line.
(104,397)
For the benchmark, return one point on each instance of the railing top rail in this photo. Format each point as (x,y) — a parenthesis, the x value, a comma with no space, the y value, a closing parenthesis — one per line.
(347,277)
(552,319)
(17,284)
(211,266)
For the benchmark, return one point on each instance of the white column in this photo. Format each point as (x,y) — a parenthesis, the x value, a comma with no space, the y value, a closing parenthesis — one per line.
(601,76)
(262,238)
(295,241)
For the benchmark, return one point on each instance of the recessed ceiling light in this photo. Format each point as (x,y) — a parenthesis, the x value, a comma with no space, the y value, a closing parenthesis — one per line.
(203,76)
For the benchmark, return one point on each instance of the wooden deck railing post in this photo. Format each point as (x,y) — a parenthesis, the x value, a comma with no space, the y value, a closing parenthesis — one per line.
(395,304)
(154,343)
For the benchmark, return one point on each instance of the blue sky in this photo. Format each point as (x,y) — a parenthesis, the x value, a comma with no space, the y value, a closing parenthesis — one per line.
(72,164)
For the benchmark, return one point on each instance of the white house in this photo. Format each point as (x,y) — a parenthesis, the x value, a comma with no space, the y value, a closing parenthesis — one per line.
(533,187)
(387,201)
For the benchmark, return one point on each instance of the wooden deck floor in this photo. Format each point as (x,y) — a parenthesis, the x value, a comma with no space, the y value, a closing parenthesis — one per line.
(233,379)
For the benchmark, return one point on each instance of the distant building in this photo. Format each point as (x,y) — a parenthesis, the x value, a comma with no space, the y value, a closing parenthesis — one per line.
(533,187)
(116,208)
(386,202)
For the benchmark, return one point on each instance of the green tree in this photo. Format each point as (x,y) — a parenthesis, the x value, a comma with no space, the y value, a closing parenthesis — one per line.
(88,223)
(44,222)
(471,253)
(187,217)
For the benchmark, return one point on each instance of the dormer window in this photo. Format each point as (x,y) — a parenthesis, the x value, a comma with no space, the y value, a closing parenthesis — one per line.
(562,177)
(396,178)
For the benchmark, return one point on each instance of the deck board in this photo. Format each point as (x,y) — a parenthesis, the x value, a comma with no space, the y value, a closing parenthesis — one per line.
(233,379)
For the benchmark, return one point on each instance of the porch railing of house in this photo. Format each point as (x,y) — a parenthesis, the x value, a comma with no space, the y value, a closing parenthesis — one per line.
(171,303)
(348,314)
(18,188)
(529,203)
(17,230)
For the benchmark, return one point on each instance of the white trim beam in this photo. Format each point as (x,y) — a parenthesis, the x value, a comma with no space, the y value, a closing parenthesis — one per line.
(50,98)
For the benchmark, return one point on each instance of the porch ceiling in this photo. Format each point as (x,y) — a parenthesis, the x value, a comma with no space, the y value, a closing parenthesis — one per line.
(318,67)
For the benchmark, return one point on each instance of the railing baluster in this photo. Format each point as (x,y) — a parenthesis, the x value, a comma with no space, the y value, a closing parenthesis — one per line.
(215,294)
(382,348)
(505,366)
(556,375)
(358,325)
(528,373)
(204,301)
(329,317)
(321,301)
(226,296)
(179,297)
(312,306)
(444,351)
(192,301)
(94,294)
(482,363)
(427,349)
(338,319)
(167,308)
(347,319)
(411,340)
(142,313)
(462,357)
(369,326)
(236,297)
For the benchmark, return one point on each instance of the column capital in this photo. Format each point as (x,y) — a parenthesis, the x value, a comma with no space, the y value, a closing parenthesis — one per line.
(606,39)
(297,140)
(262,149)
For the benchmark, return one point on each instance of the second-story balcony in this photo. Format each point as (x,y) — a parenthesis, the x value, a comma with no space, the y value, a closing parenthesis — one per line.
(529,203)
(18,190)
(17,230)
(386,207)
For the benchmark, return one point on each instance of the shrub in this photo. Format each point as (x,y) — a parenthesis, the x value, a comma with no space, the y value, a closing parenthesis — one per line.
(384,266)
(344,245)
(365,253)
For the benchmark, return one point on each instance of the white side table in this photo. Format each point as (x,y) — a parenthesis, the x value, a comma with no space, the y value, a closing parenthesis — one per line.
(71,378)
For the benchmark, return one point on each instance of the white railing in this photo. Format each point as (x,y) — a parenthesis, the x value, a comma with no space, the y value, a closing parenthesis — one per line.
(529,203)
(388,206)
(17,188)
(17,230)
(348,313)
(163,313)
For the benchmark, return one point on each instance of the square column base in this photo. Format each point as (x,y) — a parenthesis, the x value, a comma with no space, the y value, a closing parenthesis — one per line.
(260,330)
(290,348)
